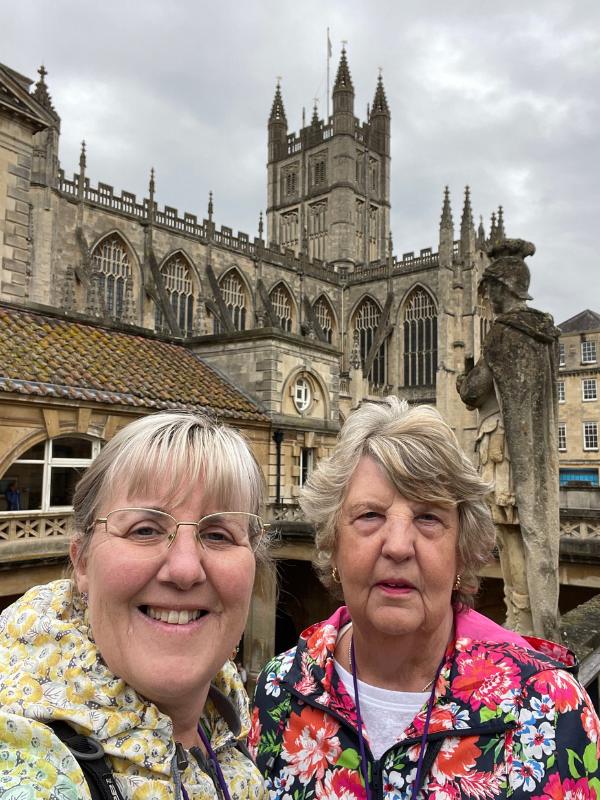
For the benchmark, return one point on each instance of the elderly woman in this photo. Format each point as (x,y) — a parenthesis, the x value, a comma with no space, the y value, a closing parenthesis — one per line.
(133,653)
(406,692)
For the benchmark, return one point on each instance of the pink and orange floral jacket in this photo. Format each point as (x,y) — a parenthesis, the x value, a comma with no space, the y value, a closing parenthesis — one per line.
(509,720)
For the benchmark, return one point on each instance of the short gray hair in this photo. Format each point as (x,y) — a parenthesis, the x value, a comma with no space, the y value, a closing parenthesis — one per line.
(422,458)
(169,453)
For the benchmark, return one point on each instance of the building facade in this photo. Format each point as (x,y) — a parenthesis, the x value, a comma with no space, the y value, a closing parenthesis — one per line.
(305,319)
(579,400)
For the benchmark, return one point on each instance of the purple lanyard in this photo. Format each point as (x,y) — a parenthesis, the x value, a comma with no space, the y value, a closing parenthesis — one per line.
(212,756)
(364,767)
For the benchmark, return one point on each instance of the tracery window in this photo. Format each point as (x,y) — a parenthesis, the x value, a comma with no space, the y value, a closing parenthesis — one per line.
(318,172)
(291,183)
(111,260)
(373,173)
(282,304)
(234,297)
(373,233)
(485,322)
(324,318)
(317,229)
(420,340)
(289,229)
(179,288)
(366,322)
(359,211)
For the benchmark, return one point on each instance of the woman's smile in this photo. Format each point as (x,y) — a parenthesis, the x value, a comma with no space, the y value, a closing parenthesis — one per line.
(173,616)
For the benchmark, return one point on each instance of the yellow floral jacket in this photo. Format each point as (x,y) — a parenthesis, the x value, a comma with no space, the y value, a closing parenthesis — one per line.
(50,669)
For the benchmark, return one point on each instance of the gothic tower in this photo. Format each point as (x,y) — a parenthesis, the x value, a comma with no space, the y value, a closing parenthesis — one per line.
(329,185)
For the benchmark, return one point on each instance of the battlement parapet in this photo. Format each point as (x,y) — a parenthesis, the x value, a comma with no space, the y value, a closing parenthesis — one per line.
(312,135)
(104,196)
(409,262)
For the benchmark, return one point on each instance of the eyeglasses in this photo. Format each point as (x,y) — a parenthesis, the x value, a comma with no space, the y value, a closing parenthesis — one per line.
(150,533)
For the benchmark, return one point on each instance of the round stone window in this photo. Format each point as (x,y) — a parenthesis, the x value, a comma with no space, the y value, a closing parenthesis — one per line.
(302,395)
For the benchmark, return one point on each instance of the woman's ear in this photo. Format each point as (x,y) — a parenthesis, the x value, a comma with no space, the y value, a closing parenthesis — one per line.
(79,561)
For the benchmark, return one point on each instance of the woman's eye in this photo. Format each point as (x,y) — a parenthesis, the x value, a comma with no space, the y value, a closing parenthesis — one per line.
(217,537)
(145,532)
(429,521)
(369,516)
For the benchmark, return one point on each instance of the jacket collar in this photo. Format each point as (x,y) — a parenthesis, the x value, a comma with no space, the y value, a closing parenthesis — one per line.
(482,655)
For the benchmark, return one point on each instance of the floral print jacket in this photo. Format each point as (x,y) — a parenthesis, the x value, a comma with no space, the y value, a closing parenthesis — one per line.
(50,669)
(508,720)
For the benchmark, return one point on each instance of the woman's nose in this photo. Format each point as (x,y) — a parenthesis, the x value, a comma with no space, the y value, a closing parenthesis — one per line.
(184,560)
(398,536)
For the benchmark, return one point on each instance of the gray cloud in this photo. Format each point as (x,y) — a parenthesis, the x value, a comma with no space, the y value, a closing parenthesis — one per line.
(503,97)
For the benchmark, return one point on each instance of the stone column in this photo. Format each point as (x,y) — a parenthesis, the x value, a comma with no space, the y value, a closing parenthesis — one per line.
(259,636)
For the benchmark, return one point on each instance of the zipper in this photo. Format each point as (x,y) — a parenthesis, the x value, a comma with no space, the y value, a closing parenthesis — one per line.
(207,767)
(376,782)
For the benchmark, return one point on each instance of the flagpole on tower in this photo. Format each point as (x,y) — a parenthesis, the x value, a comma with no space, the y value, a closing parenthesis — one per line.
(328,59)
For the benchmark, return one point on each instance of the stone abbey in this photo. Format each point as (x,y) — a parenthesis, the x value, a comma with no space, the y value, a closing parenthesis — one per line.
(111,307)
(322,279)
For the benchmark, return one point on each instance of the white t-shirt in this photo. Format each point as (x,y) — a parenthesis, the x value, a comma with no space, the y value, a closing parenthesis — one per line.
(386,714)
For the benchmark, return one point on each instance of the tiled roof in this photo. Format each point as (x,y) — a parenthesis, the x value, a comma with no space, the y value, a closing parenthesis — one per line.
(44,356)
(584,321)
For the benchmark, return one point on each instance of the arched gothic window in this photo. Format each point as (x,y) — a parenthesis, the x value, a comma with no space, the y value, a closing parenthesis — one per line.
(111,260)
(289,231)
(485,321)
(324,318)
(179,288)
(420,340)
(282,304)
(234,296)
(366,321)
(317,229)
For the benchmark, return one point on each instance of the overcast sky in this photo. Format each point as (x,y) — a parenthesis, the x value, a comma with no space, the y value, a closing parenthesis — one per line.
(501,96)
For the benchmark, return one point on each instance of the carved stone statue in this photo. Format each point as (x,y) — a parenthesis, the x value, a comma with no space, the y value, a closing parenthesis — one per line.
(513,387)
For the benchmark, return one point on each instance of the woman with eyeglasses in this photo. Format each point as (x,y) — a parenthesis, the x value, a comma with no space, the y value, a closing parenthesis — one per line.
(129,662)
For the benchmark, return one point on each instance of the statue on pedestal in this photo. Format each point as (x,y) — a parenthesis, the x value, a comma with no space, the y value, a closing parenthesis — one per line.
(513,387)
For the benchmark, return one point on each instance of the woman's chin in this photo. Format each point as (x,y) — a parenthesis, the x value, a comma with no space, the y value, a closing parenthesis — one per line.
(397,621)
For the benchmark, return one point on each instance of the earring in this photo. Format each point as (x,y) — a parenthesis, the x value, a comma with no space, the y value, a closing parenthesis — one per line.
(457,584)
(84,598)
(335,575)
(236,650)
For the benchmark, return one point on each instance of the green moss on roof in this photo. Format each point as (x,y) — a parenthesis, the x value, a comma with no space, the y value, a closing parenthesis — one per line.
(76,360)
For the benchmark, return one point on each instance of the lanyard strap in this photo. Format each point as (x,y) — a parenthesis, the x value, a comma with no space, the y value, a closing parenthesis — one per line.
(361,742)
(215,762)
(215,767)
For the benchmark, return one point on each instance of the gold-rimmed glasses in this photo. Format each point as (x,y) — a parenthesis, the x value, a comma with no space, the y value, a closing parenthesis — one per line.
(149,532)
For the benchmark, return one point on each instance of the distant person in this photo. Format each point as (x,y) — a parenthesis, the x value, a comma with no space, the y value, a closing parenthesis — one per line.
(406,692)
(133,653)
(13,497)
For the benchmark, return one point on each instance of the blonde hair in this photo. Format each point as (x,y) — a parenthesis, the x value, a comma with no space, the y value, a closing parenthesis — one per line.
(422,458)
(170,453)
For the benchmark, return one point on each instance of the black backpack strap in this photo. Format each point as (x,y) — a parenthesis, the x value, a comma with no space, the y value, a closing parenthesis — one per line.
(93,763)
